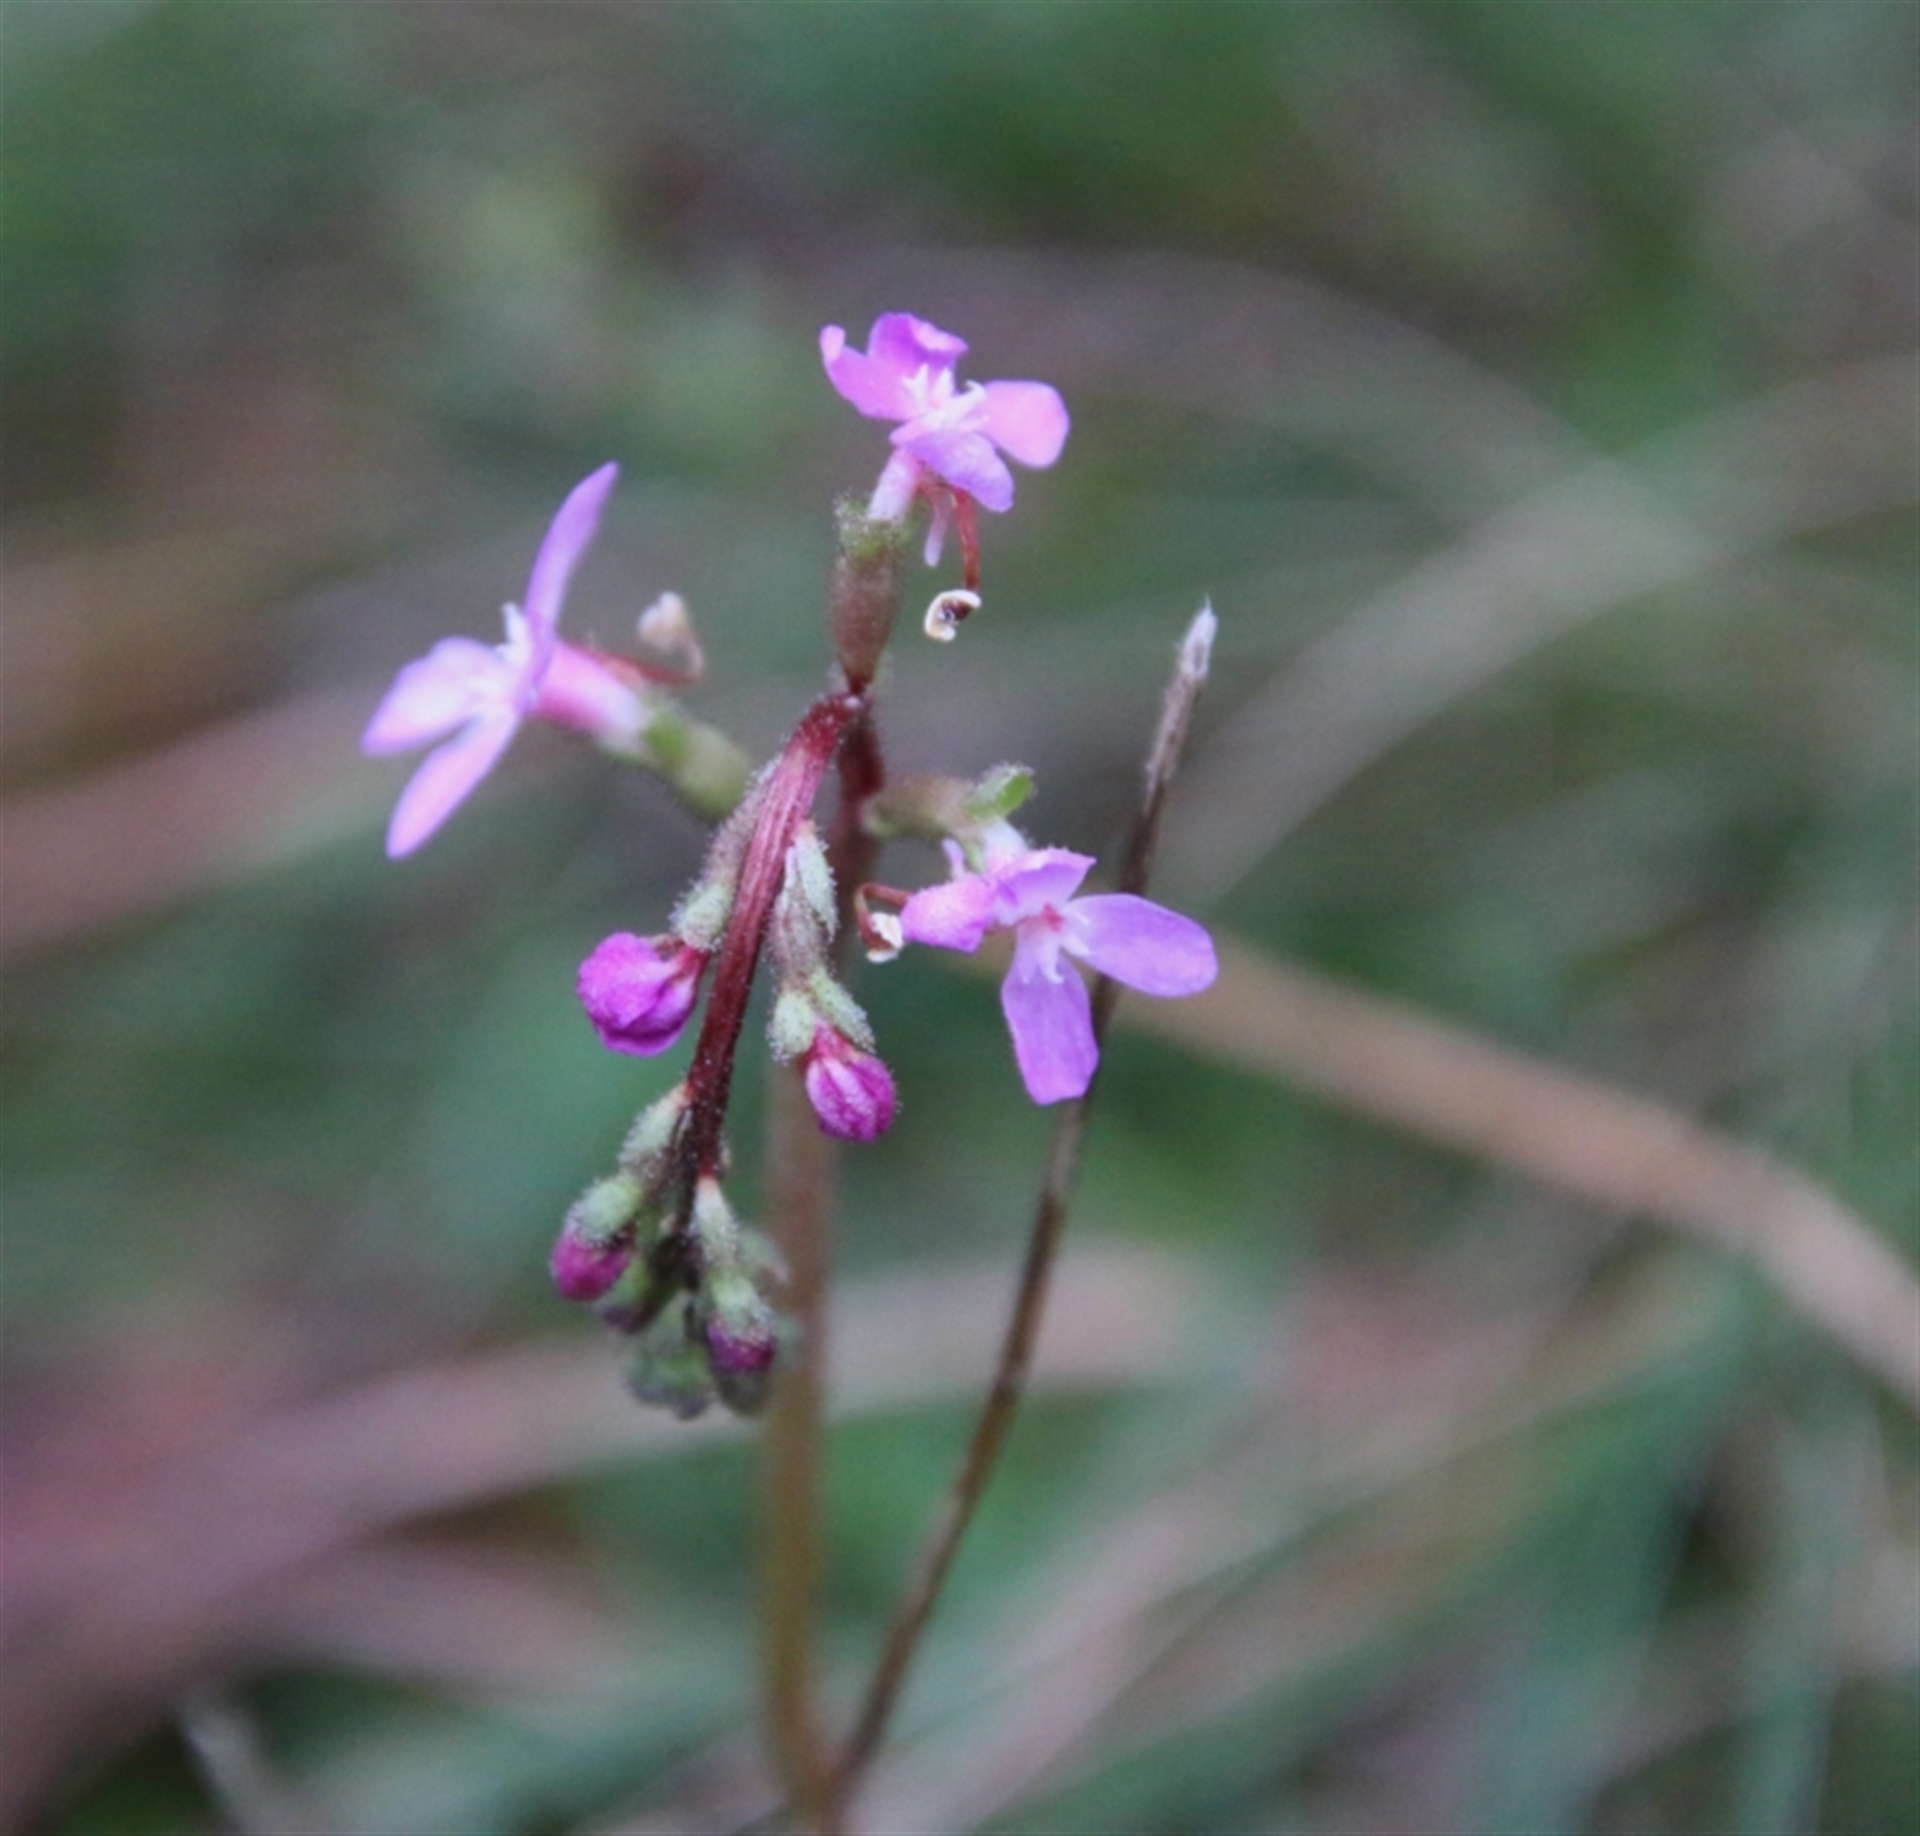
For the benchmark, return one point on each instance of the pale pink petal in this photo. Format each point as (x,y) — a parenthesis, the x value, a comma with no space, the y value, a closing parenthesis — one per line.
(445,777)
(1039,878)
(967,461)
(457,679)
(567,539)
(875,388)
(893,492)
(579,691)
(1052,1027)
(1026,420)
(907,344)
(955,915)
(1142,944)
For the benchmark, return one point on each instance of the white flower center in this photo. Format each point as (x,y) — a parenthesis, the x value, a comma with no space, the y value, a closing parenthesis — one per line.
(937,403)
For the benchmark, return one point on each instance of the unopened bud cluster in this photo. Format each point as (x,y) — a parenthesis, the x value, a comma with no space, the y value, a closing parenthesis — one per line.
(687,1294)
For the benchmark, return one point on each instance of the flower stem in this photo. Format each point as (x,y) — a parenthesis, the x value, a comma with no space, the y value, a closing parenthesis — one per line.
(800,1213)
(786,794)
(800,1194)
(1023,1326)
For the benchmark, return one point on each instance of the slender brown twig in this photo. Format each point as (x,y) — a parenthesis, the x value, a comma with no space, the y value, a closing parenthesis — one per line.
(1056,1190)
(801,1162)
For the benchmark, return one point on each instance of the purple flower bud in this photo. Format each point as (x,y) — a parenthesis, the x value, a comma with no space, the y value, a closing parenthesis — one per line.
(738,1326)
(851,1091)
(584,1271)
(639,991)
(740,1353)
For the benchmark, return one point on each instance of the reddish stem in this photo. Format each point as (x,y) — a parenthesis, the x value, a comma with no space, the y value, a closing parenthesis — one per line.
(786,797)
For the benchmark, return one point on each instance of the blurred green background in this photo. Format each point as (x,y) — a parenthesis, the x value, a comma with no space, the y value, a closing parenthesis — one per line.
(1532,389)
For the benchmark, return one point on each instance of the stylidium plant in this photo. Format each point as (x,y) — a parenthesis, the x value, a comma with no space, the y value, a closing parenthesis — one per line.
(700,1300)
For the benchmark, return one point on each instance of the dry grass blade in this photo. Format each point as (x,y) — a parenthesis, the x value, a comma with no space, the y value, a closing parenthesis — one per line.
(1625,1152)
(124,1581)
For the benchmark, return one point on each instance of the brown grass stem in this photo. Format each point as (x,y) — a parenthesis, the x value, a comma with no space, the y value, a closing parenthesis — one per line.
(1611,1147)
(990,1430)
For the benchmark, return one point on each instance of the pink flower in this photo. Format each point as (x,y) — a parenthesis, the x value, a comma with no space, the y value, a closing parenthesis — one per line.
(946,432)
(480,695)
(1030,893)
(851,1091)
(639,991)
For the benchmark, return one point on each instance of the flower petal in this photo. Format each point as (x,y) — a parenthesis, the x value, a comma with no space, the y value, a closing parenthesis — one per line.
(1026,420)
(907,344)
(1142,944)
(1039,878)
(875,381)
(568,537)
(967,461)
(1052,1026)
(445,777)
(456,680)
(893,493)
(955,914)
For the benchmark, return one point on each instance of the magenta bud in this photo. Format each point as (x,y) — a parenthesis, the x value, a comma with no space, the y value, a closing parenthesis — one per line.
(740,1354)
(639,991)
(584,1271)
(851,1091)
(738,1326)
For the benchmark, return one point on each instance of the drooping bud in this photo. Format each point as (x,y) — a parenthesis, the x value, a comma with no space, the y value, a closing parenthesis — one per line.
(742,1338)
(851,1091)
(597,1240)
(584,1271)
(639,992)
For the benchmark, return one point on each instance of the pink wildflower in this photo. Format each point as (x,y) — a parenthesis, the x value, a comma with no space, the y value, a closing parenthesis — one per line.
(948,433)
(639,992)
(1030,892)
(480,695)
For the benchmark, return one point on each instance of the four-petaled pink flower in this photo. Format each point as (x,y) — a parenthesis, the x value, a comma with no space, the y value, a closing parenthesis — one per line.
(1030,892)
(947,432)
(481,694)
